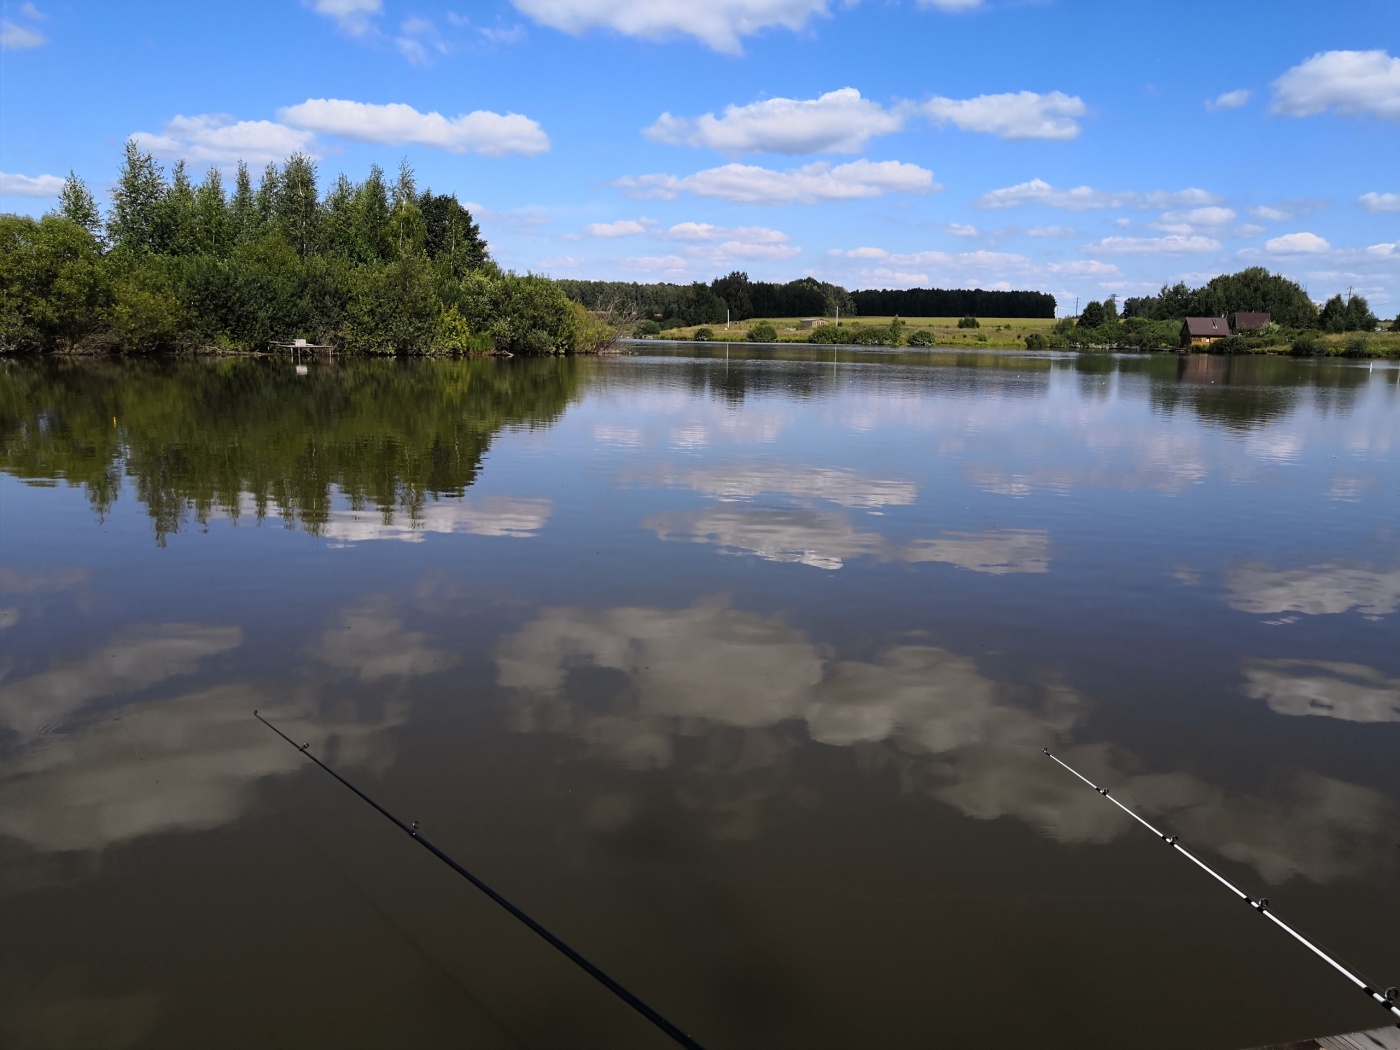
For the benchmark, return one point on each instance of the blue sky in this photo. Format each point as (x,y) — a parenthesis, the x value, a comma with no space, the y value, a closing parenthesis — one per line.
(1080,147)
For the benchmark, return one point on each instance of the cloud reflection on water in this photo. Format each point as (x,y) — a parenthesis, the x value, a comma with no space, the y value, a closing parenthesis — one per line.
(1316,590)
(948,730)
(191,761)
(1350,692)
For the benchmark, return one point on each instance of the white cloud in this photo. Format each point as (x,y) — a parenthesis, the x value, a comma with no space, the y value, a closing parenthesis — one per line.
(1379,202)
(620,228)
(1347,81)
(959,229)
(717,23)
(30,185)
(703,231)
(1052,231)
(1016,116)
(728,251)
(419,41)
(658,265)
(1172,244)
(18,38)
(396,124)
(1086,198)
(1215,216)
(1229,100)
(837,122)
(562,262)
(1270,214)
(219,139)
(1297,244)
(353,16)
(809,184)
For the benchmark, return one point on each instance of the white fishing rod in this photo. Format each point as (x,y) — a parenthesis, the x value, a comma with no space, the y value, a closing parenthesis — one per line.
(1388,999)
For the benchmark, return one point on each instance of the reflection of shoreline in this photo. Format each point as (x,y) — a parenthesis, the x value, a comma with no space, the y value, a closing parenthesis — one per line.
(927,714)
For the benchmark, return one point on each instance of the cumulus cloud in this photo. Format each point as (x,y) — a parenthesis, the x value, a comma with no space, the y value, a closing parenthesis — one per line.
(704,231)
(720,24)
(960,229)
(620,228)
(15,37)
(1229,100)
(810,184)
(1297,244)
(1052,231)
(837,122)
(397,124)
(1215,216)
(1379,202)
(1345,81)
(1015,116)
(219,139)
(355,17)
(1172,244)
(30,185)
(1086,198)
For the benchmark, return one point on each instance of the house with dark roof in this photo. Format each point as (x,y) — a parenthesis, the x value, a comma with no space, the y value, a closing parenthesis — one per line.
(1202,331)
(1245,321)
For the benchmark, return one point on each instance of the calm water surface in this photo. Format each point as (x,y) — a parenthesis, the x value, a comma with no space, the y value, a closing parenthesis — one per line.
(735,671)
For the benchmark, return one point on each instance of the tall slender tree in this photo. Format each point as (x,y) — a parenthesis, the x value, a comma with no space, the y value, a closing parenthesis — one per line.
(179,233)
(243,209)
(406,227)
(137,199)
(298,204)
(76,204)
(213,225)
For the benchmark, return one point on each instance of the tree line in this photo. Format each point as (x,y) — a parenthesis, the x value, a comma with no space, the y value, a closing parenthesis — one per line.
(376,266)
(953,302)
(733,297)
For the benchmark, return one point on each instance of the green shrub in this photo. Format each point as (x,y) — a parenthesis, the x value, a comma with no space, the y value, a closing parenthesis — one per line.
(923,337)
(704,335)
(646,329)
(1307,344)
(969,322)
(1036,341)
(982,338)
(832,333)
(880,336)
(1357,346)
(1231,344)
(763,332)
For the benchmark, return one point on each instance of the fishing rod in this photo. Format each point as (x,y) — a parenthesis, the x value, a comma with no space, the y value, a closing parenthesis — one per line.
(1388,999)
(411,830)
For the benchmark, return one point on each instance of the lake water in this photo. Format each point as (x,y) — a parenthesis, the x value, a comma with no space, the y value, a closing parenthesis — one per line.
(732,666)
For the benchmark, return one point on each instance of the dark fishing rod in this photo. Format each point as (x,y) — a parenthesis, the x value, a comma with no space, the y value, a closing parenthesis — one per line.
(411,830)
(1388,999)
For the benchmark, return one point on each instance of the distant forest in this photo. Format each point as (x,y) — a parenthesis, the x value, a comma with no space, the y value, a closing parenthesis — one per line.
(680,305)
(954,302)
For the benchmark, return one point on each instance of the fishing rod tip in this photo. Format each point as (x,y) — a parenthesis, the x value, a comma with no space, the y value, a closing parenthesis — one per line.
(1044,750)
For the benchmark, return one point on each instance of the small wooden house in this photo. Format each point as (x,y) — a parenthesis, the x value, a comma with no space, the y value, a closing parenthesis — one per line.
(1202,331)
(1245,321)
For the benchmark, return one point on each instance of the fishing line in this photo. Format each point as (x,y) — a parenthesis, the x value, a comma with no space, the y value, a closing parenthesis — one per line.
(411,830)
(1388,999)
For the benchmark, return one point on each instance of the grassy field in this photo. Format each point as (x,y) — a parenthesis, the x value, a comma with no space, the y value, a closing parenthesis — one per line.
(995,331)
